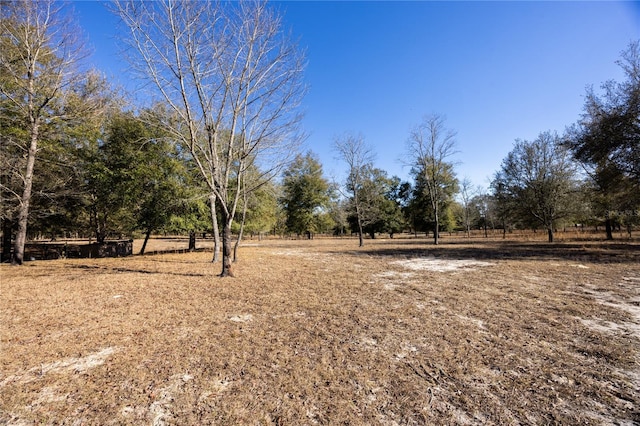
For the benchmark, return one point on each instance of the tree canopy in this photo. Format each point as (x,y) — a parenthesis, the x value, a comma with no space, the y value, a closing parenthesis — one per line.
(537,182)
(40,50)
(305,194)
(606,140)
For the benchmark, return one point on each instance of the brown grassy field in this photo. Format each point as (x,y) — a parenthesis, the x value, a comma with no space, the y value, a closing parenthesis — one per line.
(323,332)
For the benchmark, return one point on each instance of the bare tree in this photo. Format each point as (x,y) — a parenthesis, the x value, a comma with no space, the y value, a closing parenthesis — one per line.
(234,83)
(430,145)
(216,231)
(484,204)
(39,52)
(354,151)
(467,192)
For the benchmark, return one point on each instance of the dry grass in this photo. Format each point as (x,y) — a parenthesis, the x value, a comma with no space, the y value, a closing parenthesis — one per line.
(321,332)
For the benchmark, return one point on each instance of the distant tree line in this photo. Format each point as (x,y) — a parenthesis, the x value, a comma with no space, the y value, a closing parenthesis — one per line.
(588,176)
(217,150)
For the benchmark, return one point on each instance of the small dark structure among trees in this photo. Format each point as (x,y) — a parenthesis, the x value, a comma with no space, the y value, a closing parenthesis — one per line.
(48,251)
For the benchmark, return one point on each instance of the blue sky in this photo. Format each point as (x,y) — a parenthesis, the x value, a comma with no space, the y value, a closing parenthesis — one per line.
(497,70)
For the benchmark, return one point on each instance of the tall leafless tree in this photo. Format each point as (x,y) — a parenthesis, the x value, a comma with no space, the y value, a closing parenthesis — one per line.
(354,151)
(233,80)
(430,147)
(216,231)
(467,192)
(39,54)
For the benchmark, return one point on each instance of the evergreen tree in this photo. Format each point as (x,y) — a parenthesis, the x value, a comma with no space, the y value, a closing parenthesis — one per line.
(39,49)
(537,183)
(606,140)
(305,194)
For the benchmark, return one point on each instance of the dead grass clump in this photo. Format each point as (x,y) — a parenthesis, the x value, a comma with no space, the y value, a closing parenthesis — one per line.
(319,332)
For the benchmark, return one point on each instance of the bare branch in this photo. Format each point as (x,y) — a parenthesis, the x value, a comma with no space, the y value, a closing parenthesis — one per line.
(233,81)
(430,147)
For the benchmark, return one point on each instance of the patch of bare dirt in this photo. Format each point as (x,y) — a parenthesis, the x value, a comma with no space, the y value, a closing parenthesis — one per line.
(321,332)
(440,265)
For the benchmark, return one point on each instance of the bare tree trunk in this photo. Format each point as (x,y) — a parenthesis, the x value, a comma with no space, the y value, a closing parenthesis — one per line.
(436,230)
(226,246)
(192,240)
(101,229)
(146,238)
(98,224)
(237,244)
(608,228)
(550,232)
(216,231)
(23,212)
(360,237)
(244,217)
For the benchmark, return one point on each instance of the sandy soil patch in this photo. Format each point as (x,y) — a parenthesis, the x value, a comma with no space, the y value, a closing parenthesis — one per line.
(441,265)
(241,318)
(629,302)
(69,365)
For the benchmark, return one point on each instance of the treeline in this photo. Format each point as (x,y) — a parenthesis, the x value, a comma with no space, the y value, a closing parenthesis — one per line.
(587,176)
(217,152)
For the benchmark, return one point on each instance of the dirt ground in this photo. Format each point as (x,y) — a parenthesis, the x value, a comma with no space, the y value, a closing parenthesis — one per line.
(323,332)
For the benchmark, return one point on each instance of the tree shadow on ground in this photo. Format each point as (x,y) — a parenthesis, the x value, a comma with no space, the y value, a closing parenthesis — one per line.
(134,271)
(595,252)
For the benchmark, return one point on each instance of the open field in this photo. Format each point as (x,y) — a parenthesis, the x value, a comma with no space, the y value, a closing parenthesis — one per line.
(323,332)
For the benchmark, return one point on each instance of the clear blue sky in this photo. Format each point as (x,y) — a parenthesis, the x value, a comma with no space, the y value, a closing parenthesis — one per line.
(497,70)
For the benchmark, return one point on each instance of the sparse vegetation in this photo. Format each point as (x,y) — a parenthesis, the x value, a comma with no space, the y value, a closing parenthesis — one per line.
(315,332)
